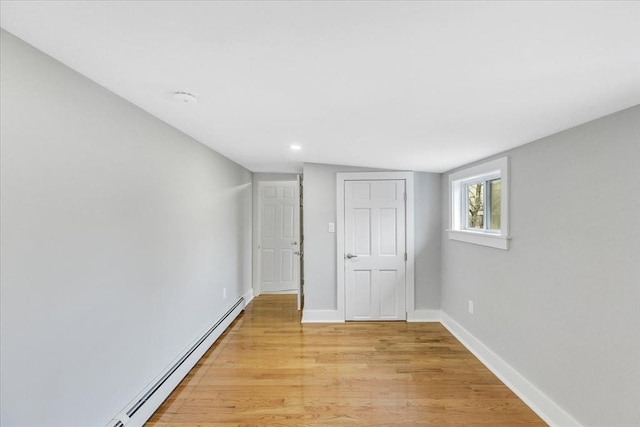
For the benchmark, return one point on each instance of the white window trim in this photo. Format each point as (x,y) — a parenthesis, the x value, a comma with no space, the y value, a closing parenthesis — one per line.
(497,167)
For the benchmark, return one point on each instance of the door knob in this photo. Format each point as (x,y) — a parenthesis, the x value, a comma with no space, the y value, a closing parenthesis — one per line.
(349,256)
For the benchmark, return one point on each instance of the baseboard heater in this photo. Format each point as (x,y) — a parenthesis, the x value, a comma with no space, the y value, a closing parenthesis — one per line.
(156,386)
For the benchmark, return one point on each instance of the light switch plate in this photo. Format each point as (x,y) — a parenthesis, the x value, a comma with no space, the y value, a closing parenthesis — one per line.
(332,227)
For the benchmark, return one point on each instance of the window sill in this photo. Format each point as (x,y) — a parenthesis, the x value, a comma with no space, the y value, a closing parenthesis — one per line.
(478,238)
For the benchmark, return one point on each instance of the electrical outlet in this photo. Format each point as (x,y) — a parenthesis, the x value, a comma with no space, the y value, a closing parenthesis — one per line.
(224,293)
(470,306)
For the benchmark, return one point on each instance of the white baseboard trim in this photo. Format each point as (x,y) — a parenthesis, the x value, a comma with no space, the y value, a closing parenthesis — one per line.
(539,402)
(322,316)
(248,297)
(424,316)
(281,292)
(155,400)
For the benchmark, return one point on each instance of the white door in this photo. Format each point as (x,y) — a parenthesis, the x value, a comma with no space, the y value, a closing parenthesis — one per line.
(279,237)
(375,250)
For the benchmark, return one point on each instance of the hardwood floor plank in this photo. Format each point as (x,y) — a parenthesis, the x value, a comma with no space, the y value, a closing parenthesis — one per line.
(267,369)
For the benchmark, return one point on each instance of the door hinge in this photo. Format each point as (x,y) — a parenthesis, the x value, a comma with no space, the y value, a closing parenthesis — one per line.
(405,256)
(405,197)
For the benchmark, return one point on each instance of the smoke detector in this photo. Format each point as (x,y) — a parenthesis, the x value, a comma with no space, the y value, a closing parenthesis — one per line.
(184,97)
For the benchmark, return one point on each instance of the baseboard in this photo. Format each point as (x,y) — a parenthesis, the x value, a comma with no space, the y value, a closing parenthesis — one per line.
(424,316)
(539,402)
(248,297)
(322,316)
(281,292)
(155,400)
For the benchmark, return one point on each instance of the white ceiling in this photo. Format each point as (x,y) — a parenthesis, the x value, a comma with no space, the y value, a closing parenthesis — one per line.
(401,85)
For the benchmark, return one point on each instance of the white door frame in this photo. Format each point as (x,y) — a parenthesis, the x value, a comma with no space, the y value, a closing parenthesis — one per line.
(298,265)
(409,230)
(258,250)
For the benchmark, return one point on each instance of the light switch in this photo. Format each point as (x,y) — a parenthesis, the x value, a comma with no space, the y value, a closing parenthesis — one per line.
(332,227)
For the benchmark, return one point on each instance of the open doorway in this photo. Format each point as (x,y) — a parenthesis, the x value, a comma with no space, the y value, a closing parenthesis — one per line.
(279,245)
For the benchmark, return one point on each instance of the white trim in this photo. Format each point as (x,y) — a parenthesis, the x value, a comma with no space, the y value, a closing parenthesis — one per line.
(322,316)
(155,400)
(424,316)
(478,238)
(539,402)
(341,177)
(498,167)
(282,292)
(248,297)
(297,262)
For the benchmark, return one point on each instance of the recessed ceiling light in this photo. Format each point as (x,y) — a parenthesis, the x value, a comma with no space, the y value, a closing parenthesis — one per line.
(295,147)
(184,97)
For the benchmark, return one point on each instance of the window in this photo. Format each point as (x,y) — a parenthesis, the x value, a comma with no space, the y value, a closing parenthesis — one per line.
(482,204)
(479,201)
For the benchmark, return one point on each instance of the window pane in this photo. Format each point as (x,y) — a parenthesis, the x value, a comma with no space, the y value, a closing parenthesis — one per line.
(475,197)
(495,203)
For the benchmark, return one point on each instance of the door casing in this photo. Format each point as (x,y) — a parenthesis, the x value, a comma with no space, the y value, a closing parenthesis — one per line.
(409,230)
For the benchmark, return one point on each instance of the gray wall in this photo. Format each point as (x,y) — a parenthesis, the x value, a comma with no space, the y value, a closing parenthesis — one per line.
(562,306)
(320,246)
(426,188)
(118,235)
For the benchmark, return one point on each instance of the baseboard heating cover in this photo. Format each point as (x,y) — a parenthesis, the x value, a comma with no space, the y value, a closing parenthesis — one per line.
(143,407)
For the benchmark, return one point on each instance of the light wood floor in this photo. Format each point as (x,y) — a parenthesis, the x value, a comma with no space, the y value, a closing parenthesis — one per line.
(269,370)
